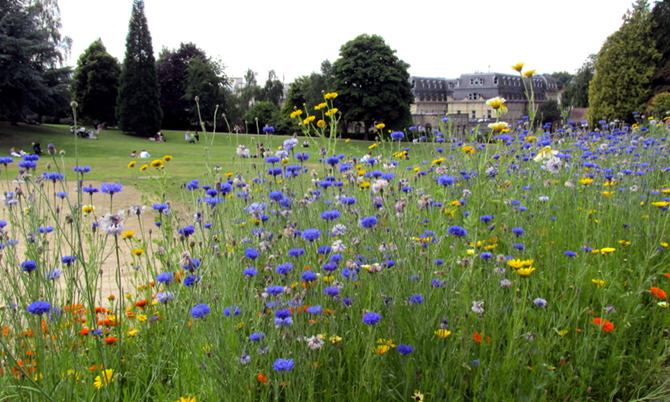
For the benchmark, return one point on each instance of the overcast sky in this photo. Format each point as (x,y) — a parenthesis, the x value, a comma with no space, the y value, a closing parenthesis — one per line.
(437,38)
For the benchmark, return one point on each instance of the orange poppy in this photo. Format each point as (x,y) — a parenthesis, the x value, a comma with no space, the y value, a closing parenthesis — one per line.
(84,331)
(262,378)
(141,303)
(478,337)
(109,340)
(659,293)
(605,325)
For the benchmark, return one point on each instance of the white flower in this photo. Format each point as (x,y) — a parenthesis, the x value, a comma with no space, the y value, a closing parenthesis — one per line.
(552,165)
(339,230)
(113,224)
(242,151)
(314,342)
(136,210)
(477,307)
(338,247)
(544,198)
(545,153)
(379,185)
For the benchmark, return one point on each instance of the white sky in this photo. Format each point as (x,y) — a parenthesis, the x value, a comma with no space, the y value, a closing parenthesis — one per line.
(437,38)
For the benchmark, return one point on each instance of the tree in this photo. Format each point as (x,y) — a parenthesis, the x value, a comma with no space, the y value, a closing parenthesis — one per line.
(273,90)
(139,108)
(576,93)
(265,112)
(372,83)
(32,79)
(547,112)
(204,79)
(171,68)
(95,84)
(624,68)
(659,106)
(660,17)
(562,79)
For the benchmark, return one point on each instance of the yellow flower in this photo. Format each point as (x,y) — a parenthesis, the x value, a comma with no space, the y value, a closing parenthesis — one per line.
(624,242)
(187,399)
(563,332)
(320,106)
(331,95)
(88,208)
(438,161)
(380,126)
(104,380)
(664,244)
(361,173)
(418,396)
(606,193)
(496,102)
(157,163)
(128,234)
(518,66)
(321,124)
(335,339)
(347,140)
(530,138)
(132,332)
(586,181)
(525,272)
(501,125)
(607,250)
(141,318)
(598,282)
(143,168)
(528,73)
(545,153)
(309,119)
(131,165)
(660,204)
(381,349)
(373,146)
(365,184)
(296,113)
(666,190)
(468,148)
(442,333)
(331,112)
(516,264)
(138,251)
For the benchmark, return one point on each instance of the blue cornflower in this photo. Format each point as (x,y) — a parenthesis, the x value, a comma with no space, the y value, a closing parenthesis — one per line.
(517,231)
(28,266)
(283,269)
(251,253)
(446,180)
(405,349)
(276,196)
(283,365)
(61,195)
(332,160)
(416,299)
(331,291)
(81,169)
(519,246)
(309,276)
(371,318)
(314,310)
(486,256)
(53,275)
(274,290)
(311,234)
(369,222)
(272,159)
(90,190)
(486,218)
(324,250)
(330,215)
(236,311)
(187,231)
(69,259)
(329,267)
(200,311)
(458,231)
(296,252)
(302,156)
(285,313)
(570,254)
(193,264)
(250,272)
(540,302)
(111,188)
(257,336)
(268,129)
(165,277)
(164,297)
(191,280)
(39,308)
(397,135)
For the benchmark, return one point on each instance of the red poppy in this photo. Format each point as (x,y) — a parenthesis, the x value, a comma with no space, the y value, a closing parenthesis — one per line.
(659,293)
(109,340)
(605,325)
(262,378)
(478,337)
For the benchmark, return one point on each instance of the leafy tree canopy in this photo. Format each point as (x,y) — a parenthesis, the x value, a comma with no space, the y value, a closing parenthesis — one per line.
(372,83)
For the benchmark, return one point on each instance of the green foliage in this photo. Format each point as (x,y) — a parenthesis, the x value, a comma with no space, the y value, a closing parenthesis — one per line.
(31,79)
(204,79)
(547,112)
(660,105)
(273,90)
(306,91)
(624,68)
(139,108)
(265,112)
(562,78)
(95,84)
(372,83)
(576,93)
(171,68)
(660,18)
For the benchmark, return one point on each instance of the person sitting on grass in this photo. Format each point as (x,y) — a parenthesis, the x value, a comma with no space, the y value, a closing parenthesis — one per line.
(144,154)
(36,149)
(14,153)
(134,154)
(187,136)
(192,138)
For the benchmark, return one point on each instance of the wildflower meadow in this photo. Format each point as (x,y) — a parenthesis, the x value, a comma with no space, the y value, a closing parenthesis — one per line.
(526,266)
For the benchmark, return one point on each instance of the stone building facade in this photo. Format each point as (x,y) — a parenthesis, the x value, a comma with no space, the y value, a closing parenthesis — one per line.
(464,99)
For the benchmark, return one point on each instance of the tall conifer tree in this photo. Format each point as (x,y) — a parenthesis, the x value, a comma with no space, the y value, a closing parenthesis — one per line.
(138,106)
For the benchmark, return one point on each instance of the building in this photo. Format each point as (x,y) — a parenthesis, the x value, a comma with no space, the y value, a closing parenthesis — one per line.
(464,99)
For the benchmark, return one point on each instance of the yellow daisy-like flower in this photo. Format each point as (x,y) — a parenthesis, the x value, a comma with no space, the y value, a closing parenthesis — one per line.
(418,396)
(598,282)
(563,332)
(468,149)
(545,153)
(664,244)
(607,250)
(586,181)
(347,140)
(528,73)
(525,272)
(143,168)
(321,106)
(373,146)
(88,209)
(128,234)
(365,184)
(438,161)
(308,120)
(666,190)
(442,333)
(138,251)
(141,318)
(660,204)
(132,332)
(518,263)
(157,163)
(321,123)
(335,339)
(496,102)
(187,399)
(518,66)
(331,95)
(331,112)
(105,379)
(499,126)
(380,126)
(167,158)
(606,193)
(131,165)
(530,138)
(624,242)
(361,173)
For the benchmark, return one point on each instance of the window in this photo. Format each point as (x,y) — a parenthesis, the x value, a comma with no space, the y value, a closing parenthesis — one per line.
(495,80)
(489,114)
(458,112)
(474,114)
